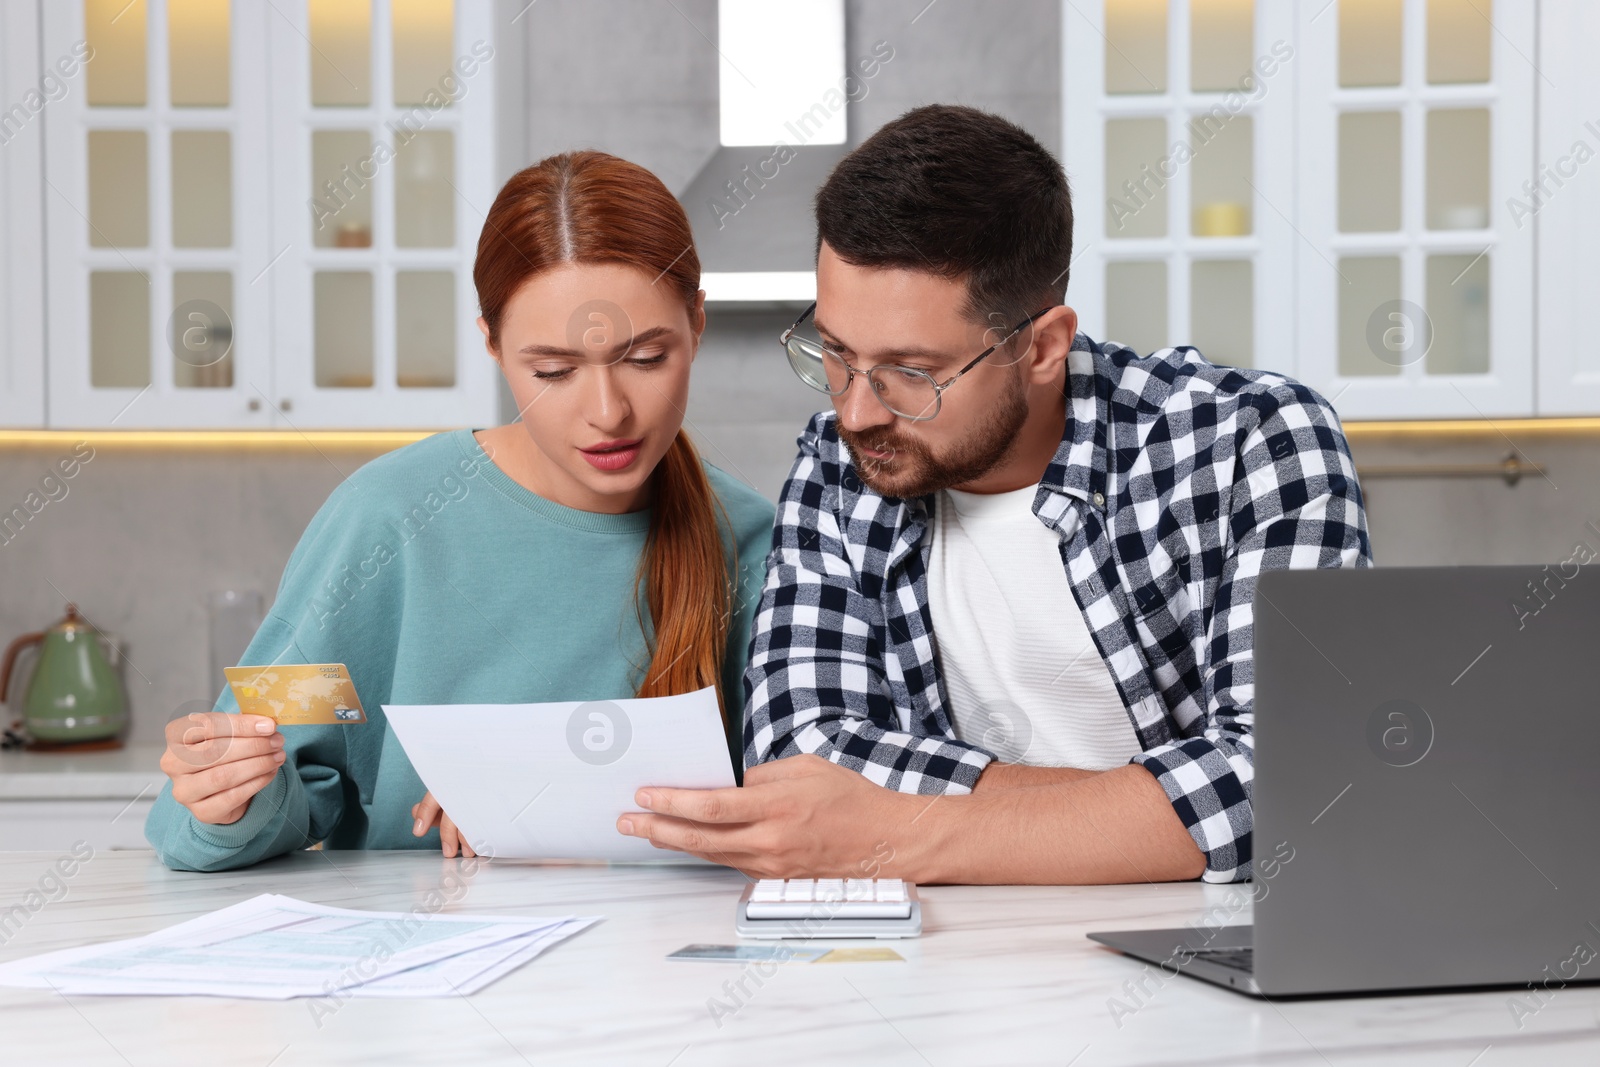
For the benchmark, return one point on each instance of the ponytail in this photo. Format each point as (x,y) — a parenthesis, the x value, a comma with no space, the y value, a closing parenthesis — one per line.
(684,571)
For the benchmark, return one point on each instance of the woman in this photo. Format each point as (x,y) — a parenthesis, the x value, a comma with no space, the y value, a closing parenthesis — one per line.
(582,553)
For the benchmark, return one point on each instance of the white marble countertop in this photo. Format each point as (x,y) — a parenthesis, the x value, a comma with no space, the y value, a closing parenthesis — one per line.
(119,774)
(1002,975)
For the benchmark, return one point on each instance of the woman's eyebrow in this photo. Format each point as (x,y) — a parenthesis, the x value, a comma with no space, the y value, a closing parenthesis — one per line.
(617,349)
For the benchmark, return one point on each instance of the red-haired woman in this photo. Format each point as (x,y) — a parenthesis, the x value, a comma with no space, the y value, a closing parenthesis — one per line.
(583,552)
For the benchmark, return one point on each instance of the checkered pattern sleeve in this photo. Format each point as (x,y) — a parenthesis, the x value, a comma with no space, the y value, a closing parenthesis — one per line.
(1295,502)
(818,681)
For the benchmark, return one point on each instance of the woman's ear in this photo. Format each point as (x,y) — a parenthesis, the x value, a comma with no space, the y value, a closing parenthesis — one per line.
(697,320)
(488,343)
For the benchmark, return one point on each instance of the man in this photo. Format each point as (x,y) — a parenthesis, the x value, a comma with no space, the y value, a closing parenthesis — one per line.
(1007,540)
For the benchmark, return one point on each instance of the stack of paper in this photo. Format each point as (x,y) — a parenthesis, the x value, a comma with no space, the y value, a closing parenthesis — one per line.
(276,947)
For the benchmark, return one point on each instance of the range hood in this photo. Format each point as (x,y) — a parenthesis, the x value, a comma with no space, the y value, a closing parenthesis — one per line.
(751,209)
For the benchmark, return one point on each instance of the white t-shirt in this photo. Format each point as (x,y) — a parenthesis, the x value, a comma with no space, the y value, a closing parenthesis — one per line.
(1022,675)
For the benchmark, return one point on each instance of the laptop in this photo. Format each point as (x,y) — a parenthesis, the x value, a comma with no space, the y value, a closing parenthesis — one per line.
(1427,788)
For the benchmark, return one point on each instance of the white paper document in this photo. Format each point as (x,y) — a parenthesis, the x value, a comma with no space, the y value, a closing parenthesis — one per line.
(276,947)
(548,781)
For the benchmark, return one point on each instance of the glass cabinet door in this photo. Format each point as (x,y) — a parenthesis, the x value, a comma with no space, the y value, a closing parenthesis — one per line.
(1340,214)
(156,230)
(261,215)
(1415,273)
(1175,120)
(380,104)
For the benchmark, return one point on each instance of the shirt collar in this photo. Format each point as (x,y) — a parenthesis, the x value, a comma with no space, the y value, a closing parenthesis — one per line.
(1079,465)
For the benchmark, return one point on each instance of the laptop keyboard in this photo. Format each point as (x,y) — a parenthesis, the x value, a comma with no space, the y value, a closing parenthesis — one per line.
(1239,959)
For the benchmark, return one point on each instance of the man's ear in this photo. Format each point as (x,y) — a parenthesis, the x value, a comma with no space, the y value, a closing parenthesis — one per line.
(1053,333)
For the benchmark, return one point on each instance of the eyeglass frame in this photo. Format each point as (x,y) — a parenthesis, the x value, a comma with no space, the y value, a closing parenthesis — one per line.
(938,387)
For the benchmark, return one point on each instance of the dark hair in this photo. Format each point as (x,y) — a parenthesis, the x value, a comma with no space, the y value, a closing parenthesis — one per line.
(959,193)
(591,207)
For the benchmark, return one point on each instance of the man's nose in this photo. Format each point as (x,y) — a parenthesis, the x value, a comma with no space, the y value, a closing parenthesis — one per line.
(858,406)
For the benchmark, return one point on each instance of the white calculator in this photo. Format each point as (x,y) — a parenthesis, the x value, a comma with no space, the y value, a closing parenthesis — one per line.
(829,907)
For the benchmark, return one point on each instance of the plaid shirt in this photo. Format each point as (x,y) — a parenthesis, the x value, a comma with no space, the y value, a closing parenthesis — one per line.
(1188,478)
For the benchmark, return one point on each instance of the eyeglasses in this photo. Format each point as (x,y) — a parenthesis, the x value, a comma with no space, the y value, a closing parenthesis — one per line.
(907,392)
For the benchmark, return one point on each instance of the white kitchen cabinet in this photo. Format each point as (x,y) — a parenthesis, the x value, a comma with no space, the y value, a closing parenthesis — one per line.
(1564,206)
(58,825)
(51,800)
(1344,217)
(376,308)
(265,215)
(1183,193)
(1414,282)
(23,98)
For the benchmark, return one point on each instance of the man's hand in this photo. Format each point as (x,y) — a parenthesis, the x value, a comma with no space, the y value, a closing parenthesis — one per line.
(217,762)
(797,817)
(426,812)
(806,817)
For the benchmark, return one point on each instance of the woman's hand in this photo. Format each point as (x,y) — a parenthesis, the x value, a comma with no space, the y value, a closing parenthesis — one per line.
(427,812)
(217,762)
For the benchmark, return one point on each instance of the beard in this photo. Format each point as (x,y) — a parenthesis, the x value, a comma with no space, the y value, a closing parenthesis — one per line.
(911,469)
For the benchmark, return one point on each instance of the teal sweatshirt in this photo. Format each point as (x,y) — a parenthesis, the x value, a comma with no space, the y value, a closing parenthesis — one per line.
(437,579)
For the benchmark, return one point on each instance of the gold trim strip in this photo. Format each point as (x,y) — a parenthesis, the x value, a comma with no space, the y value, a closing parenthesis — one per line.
(1356,430)
(214,439)
(1498,428)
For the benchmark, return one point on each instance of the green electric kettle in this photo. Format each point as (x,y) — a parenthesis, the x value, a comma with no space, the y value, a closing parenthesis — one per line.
(74,695)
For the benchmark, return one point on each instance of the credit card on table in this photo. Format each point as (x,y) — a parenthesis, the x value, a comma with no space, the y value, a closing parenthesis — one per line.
(871,954)
(749,953)
(297,694)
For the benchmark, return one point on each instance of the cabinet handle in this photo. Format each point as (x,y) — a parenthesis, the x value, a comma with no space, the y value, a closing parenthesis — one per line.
(1511,470)
(286,404)
(255,403)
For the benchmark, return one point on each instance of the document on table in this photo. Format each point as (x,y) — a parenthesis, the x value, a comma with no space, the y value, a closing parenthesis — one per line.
(548,781)
(276,947)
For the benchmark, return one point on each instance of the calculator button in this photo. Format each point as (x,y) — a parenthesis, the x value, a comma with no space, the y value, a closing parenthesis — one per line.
(828,898)
(797,890)
(768,889)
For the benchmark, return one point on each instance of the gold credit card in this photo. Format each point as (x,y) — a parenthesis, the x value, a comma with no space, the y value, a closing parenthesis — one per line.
(875,954)
(297,694)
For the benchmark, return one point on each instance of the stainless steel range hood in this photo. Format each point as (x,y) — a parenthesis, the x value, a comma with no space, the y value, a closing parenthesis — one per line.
(751,209)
